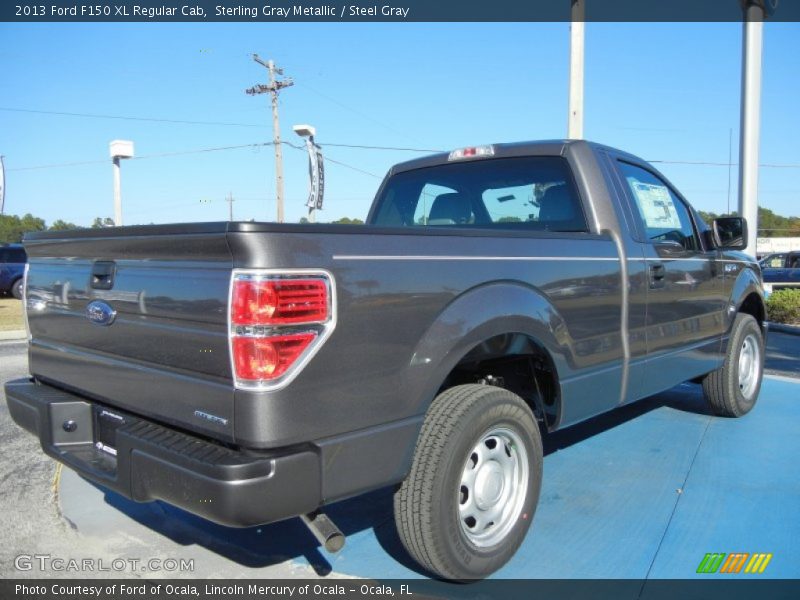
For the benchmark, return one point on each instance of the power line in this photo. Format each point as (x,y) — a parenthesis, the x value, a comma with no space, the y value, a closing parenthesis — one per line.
(724,164)
(201,150)
(359,147)
(355,146)
(185,152)
(124,118)
(142,157)
(329,159)
(354,111)
(56,165)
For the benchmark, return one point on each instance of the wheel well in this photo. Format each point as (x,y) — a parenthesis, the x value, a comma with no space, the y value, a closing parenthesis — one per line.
(753,305)
(518,363)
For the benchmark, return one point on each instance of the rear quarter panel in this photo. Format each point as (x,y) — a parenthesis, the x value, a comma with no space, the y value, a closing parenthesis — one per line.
(412,304)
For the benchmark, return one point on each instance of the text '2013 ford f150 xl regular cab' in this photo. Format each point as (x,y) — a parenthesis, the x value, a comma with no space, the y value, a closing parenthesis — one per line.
(252,372)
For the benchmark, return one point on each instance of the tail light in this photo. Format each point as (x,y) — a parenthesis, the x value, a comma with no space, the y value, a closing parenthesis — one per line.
(279,301)
(278,321)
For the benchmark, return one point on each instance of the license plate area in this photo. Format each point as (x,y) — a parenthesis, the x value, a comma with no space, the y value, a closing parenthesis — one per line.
(106,424)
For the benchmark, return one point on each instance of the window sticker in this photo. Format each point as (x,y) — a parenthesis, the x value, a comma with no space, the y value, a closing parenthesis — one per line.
(656,204)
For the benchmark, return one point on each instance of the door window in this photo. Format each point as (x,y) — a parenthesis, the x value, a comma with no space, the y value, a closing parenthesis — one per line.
(665,216)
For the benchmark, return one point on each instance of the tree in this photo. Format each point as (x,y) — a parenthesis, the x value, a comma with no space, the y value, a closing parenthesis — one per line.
(348,221)
(772,225)
(59,225)
(303,221)
(769,224)
(12,228)
(100,222)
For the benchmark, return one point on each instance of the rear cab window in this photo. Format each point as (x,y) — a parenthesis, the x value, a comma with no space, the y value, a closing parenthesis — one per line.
(528,193)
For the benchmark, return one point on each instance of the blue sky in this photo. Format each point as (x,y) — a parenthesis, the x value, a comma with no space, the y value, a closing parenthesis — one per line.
(662,91)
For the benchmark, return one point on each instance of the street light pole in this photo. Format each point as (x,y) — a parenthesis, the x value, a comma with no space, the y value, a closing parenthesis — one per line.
(119,149)
(117,193)
(753,33)
(576,48)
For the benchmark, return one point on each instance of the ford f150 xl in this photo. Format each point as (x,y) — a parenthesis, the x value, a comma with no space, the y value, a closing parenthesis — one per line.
(252,372)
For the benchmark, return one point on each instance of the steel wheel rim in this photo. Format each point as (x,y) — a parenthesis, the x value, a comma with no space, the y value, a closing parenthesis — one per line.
(749,361)
(493,486)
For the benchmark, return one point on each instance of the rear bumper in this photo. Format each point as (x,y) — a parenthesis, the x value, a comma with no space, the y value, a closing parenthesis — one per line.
(154,462)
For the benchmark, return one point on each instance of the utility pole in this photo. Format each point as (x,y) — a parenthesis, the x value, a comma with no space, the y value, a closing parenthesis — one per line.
(753,34)
(576,46)
(273,88)
(730,166)
(229,200)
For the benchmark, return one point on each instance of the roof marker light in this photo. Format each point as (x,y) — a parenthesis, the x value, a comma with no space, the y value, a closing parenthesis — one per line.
(471,152)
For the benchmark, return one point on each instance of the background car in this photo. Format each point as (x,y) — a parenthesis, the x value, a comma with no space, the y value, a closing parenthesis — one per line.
(772,261)
(12,268)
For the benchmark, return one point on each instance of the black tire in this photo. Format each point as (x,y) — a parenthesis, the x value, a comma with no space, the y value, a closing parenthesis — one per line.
(729,393)
(16,289)
(460,422)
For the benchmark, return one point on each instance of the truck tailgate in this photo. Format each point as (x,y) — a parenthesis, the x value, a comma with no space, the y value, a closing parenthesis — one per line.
(137,319)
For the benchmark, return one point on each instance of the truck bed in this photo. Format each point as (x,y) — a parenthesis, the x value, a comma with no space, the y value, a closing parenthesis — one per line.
(166,356)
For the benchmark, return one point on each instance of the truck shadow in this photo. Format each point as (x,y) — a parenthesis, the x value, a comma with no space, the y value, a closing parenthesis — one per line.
(686,397)
(259,547)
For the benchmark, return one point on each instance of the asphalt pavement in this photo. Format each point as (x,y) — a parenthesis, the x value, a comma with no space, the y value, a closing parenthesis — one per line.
(783,354)
(54,513)
(52,516)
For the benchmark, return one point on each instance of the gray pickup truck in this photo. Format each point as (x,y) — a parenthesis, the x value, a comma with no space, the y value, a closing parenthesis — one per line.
(252,372)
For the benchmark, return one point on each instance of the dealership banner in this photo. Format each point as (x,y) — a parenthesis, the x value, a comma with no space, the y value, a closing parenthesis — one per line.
(316,174)
(391,10)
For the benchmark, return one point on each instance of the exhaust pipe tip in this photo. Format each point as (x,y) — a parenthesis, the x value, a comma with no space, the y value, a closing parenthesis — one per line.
(334,543)
(326,532)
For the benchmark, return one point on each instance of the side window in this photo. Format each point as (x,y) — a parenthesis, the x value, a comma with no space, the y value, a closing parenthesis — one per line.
(776,261)
(16,255)
(665,216)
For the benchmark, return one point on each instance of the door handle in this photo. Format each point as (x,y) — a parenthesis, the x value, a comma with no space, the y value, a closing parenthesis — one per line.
(103,272)
(657,274)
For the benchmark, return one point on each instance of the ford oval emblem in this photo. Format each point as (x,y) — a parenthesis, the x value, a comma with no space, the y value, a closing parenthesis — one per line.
(101,313)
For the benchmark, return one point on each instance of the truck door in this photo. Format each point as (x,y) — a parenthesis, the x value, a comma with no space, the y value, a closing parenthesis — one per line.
(685,296)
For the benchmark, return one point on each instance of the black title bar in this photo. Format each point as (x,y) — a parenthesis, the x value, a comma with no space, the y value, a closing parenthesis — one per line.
(388,11)
(361,589)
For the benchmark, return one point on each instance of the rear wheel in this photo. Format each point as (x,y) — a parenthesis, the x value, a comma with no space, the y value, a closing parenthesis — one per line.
(732,390)
(469,499)
(16,289)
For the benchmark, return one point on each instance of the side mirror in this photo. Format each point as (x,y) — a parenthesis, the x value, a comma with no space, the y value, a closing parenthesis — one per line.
(730,233)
